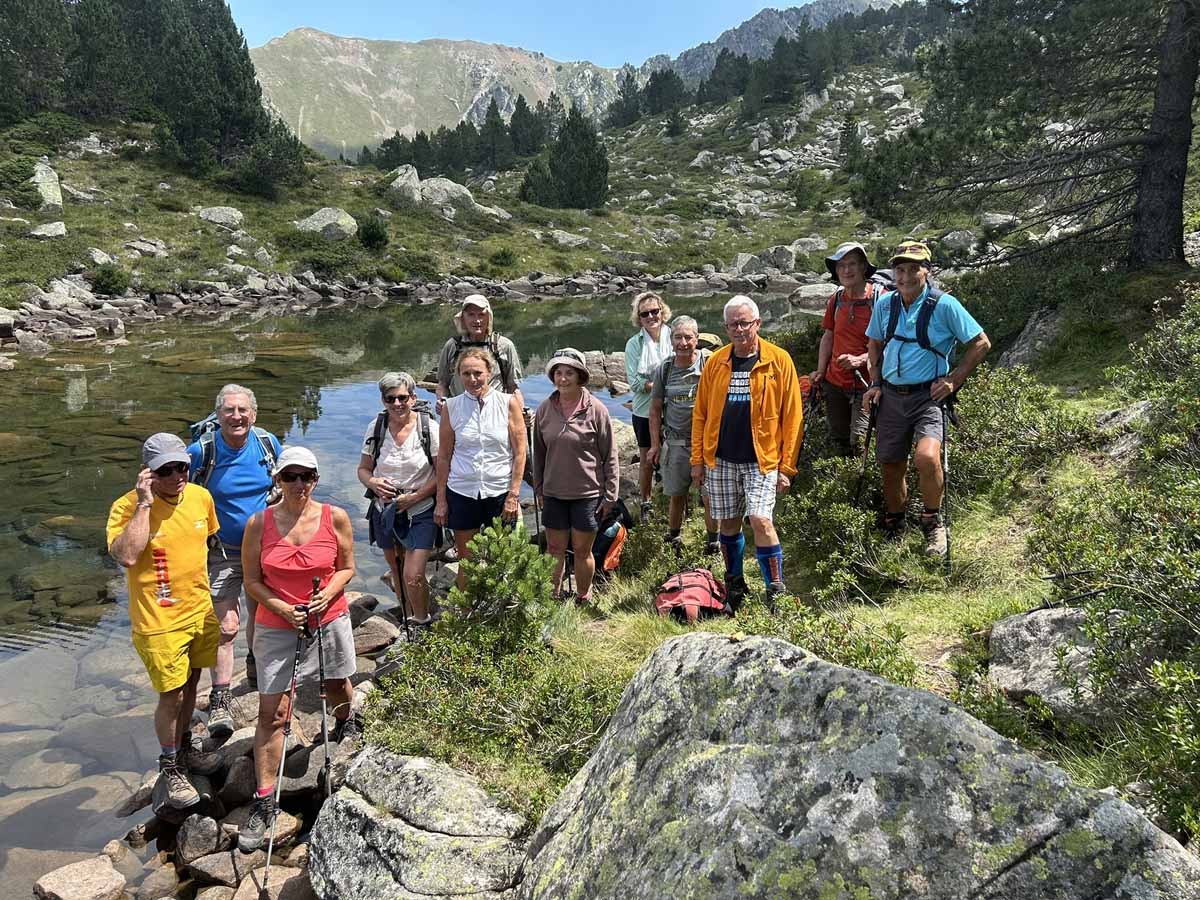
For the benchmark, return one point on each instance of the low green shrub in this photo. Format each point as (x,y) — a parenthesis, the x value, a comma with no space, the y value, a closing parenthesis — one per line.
(44,133)
(109,279)
(170,202)
(321,255)
(373,232)
(503,258)
(15,172)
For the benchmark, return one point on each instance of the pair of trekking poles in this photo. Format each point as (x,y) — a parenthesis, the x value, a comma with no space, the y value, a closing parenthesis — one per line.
(304,633)
(946,418)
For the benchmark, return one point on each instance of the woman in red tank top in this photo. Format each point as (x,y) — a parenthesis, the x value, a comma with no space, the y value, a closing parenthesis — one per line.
(286,547)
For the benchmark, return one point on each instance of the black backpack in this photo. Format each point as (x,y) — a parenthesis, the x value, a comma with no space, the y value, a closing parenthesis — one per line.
(205,432)
(924,316)
(421,407)
(492,345)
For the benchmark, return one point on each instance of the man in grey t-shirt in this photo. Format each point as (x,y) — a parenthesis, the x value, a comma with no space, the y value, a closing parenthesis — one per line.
(475,329)
(671,401)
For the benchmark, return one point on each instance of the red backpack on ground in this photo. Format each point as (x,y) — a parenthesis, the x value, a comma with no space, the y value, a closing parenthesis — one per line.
(692,595)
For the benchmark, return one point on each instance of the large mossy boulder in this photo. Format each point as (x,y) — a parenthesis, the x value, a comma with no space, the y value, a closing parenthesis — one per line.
(748,768)
(406,827)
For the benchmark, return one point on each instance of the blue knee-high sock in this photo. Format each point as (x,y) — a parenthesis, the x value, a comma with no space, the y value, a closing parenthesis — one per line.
(770,561)
(733,548)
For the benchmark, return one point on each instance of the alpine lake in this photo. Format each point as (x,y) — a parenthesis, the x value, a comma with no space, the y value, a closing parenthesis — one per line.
(76,735)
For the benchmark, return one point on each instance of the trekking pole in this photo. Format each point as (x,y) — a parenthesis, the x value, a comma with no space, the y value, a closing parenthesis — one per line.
(866,443)
(302,633)
(946,481)
(404,602)
(324,708)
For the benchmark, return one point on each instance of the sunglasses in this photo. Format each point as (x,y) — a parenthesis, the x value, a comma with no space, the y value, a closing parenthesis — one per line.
(171,469)
(647,313)
(397,398)
(307,477)
(740,326)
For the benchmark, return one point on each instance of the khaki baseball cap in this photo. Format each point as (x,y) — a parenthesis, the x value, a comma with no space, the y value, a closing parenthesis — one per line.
(911,251)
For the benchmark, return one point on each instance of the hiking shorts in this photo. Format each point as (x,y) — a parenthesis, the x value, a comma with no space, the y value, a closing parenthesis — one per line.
(472,513)
(641,428)
(903,419)
(735,490)
(170,656)
(275,649)
(225,574)
(577,515)
(844,412)
(389,528)
(675,463)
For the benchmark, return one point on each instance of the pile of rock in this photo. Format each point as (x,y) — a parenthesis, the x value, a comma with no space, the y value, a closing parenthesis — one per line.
(197,845)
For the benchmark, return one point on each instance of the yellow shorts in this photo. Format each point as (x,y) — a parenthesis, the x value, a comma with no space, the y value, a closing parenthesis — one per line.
(169,657)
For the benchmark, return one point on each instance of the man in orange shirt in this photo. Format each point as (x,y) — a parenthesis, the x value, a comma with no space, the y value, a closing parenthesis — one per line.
(842,358)
(746,428)
(159,532)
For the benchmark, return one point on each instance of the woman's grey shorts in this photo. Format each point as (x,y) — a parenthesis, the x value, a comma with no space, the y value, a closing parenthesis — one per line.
(275,648)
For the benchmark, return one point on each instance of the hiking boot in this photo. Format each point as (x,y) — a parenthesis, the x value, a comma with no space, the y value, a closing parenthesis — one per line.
(180,792)
(346,729)
(935,535)
(775,590)
(647,510)
(253,834)
(220,714)
(735,591)
(712,548)
(675,542)
(892,525)
(197,762)
(251,672)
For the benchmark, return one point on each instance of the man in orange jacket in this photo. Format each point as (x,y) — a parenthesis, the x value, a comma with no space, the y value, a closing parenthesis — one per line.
(746,429)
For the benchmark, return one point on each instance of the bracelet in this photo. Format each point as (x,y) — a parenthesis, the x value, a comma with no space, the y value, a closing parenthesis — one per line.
(876,384)
(143,505)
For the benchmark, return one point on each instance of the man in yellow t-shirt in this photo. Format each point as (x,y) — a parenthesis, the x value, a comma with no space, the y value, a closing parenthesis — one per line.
(159,532)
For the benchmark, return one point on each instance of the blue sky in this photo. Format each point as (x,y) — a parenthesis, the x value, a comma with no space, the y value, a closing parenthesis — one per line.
(607,32)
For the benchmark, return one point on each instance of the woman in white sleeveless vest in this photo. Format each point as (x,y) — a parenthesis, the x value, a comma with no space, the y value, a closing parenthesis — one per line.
(481,454)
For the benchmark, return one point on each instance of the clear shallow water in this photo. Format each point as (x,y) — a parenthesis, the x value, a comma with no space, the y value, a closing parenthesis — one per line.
(71,426)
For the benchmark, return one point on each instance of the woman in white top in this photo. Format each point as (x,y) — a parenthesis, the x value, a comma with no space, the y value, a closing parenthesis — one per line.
(481,455)
(398,470)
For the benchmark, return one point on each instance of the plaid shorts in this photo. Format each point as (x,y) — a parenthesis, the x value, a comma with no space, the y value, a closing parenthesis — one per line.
(739,489)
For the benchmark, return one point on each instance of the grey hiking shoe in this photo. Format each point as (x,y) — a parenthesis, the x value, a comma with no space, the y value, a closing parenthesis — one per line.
(220,714)
(197,762)
(935,535)
(253,834)
(346,729)
(180,792)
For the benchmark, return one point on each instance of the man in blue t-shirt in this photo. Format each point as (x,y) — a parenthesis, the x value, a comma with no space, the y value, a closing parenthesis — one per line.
(238,475)
(911,383)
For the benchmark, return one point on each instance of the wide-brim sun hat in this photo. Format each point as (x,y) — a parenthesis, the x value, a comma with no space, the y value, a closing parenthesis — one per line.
(296,456)
(832,259)
(569,356)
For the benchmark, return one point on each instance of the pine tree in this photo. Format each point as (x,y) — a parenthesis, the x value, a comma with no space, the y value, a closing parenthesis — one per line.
(526,128)
(468,139)
(664,91)
(538,185)
(850,145)
(101,71)
(365,156)
(495,144)
(423,157)
(35,38)
(553,115)
(757,86)
(627,108)
(675,123)
(728,78)
(579,164)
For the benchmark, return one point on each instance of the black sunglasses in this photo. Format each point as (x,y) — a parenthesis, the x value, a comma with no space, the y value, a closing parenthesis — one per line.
(307,477)
(175,468)
(397,398)
(647,313)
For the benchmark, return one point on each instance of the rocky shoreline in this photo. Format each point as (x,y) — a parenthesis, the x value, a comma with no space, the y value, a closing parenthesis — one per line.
(70,312)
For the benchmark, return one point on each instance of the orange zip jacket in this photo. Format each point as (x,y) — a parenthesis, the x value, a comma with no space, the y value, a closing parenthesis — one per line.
(776,409)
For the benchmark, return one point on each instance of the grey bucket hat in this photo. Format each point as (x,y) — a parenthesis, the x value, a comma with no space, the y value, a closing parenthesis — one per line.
(831,260)
(569,356)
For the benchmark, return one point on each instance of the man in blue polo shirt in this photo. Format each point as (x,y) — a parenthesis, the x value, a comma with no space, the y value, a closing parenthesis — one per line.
(234,462)
(912,376)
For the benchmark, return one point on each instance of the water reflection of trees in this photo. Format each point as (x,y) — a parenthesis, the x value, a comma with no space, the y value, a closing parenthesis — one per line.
(307,408)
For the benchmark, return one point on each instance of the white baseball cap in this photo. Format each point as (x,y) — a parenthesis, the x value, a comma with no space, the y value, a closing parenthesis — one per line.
(296,456)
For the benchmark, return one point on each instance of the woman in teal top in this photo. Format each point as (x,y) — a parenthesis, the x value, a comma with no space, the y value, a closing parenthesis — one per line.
(644,355)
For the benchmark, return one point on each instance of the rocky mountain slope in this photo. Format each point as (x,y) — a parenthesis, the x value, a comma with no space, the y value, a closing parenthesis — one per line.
(339,93)
(757,35)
